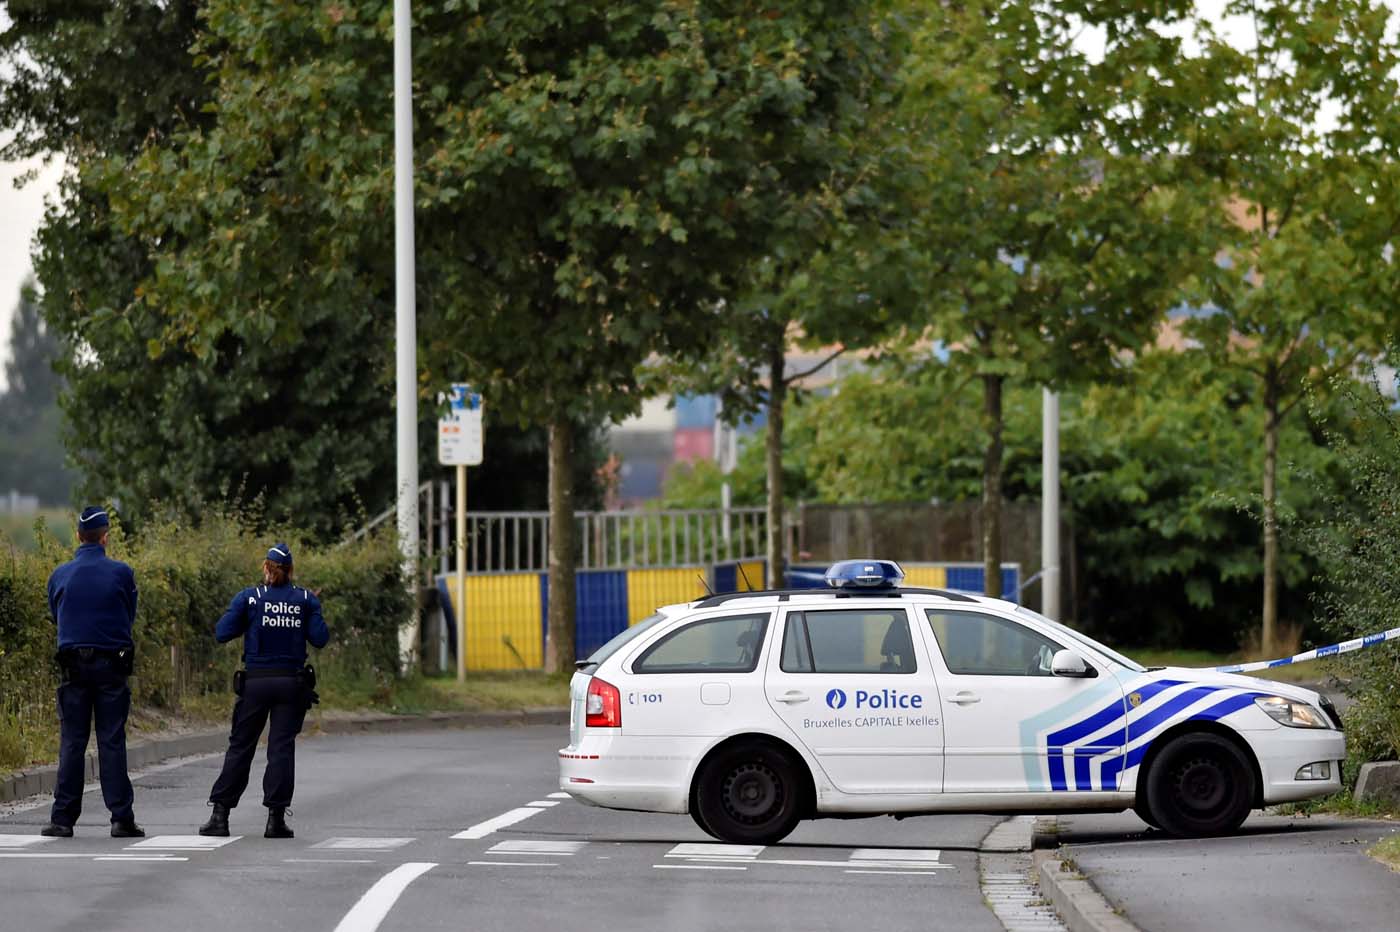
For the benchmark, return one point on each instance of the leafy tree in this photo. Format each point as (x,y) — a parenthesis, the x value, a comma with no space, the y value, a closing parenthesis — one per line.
(1304,140)
(1358,541)
(1058,215)
(31,451)
(591,180)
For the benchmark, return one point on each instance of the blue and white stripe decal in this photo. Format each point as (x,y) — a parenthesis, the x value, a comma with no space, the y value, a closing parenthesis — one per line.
(1115,735)
(1345,647)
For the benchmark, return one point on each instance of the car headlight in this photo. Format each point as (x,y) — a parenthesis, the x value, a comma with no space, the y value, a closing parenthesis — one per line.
(1292,713)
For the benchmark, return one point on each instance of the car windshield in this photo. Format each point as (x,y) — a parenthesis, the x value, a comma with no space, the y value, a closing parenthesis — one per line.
(618,640)
(1084,640)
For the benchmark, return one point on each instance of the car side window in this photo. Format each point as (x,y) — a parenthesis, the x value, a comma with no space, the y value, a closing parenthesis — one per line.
(974,644)
(715,645)
(848,641)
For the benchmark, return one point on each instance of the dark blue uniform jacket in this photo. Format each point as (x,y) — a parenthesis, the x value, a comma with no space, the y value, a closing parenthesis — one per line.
(93,600)
(276,624)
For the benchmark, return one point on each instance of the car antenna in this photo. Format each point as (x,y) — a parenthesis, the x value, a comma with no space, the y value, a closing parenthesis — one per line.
(744,576)
(703,582)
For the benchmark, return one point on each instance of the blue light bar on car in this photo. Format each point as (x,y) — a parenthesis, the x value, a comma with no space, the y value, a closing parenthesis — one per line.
(865,574)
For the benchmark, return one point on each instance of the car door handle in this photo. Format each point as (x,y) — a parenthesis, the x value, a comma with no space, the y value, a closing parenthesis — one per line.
(791,696)
(965,698)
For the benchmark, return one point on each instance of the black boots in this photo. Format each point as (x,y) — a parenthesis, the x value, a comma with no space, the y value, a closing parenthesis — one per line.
(54,830)
(127,829)
(277,826)
(217,826)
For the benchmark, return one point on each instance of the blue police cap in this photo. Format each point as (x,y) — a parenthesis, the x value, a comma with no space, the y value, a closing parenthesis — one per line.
(280,553)
(93,518)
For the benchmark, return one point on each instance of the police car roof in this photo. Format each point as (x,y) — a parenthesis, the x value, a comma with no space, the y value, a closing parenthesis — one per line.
(786,595)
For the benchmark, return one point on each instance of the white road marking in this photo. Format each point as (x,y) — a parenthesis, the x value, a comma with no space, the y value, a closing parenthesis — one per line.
(46,855)
(922,855)
(560,796)
(362,844)
(369,912)
(699,867)
(327,860)
(523,846)
(22,841)
(130,857)
(693,850)
(482,829)
(543,803)
(512,863)
(899,873)
(182,843)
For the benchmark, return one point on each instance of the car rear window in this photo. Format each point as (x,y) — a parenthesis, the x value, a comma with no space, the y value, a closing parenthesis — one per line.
(621,639)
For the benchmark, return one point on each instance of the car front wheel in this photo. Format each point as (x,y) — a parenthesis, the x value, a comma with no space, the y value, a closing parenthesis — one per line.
(749,794)
(1200,785)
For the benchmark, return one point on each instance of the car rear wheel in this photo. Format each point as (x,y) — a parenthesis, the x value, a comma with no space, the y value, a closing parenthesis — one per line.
(1200,785)
(749,794)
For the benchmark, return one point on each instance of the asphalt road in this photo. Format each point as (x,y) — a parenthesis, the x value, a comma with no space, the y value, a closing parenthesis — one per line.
(1281,874)
(375,818)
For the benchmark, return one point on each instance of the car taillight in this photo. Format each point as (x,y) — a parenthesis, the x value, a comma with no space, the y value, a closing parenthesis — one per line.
(604,705)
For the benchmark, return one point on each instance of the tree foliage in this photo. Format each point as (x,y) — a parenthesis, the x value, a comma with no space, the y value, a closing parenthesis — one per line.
(1060,212)
(1303,140)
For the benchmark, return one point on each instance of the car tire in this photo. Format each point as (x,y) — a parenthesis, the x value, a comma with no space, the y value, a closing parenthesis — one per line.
(699,819)
(1200,785)
(749,794)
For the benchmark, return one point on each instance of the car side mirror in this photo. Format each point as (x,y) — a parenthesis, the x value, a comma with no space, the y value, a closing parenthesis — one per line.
(1068,663)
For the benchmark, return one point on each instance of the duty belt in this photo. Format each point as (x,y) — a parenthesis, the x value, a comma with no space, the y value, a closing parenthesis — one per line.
(266,674)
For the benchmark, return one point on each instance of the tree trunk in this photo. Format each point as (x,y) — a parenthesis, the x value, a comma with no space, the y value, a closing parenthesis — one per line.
(559,643)
(991,485)
(1268,635)
(777,395)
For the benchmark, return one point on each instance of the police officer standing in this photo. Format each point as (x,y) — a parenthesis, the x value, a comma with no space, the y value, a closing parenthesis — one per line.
(276,622)
(93,602)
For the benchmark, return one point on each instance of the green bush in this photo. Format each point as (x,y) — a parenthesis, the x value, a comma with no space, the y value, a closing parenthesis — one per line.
(1359,544)
(186,576)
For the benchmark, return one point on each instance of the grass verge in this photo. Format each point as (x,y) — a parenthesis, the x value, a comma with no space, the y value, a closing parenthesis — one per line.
(1387,851)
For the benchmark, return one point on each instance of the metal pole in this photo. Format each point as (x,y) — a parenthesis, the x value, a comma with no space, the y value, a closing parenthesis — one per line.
(461,574)
(1050,505)
(405,324)
(444,568)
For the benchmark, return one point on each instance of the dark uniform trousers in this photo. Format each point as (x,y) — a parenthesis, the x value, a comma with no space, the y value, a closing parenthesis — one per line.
(282,699)
(96,689)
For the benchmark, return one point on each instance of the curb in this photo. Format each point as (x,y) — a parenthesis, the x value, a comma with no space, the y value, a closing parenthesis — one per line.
(1081,907)
(40,780)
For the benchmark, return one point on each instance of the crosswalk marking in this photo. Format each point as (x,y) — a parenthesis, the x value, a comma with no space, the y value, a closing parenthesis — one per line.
(22,841)
(182,843)
(544,803)
(560,796)
(525,846)
(362,844)
(705,850)
(922,855)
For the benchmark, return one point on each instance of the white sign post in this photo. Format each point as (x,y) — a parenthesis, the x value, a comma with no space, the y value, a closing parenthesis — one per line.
(459,444)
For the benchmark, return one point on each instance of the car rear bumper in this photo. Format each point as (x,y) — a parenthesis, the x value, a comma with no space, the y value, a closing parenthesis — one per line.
(606,769)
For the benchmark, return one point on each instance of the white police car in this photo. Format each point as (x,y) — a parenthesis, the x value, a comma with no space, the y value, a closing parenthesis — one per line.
(753,711)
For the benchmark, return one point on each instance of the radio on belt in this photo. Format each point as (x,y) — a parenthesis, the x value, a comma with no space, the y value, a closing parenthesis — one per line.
(865,574)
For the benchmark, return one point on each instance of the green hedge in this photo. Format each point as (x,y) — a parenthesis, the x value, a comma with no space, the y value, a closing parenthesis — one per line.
(186,577)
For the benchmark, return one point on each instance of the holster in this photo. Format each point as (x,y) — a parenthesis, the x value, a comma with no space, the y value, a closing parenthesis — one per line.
(240,678)
(307,676)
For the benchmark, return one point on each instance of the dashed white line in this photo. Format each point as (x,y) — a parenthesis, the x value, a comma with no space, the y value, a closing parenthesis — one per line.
(560,796)
(699,867)
(513,863)
(133,857)
(327,861)
(482,829)
(370,910)
(22,841)
(182,843)
(543,803)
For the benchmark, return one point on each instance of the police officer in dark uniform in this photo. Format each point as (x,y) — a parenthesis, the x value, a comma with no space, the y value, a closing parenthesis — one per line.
(93,602)
(276,621)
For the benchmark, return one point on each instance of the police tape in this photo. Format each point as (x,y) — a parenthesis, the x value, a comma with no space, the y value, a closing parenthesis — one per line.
(1331,650)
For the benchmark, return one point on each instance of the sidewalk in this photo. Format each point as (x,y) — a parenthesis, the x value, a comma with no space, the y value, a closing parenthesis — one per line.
(1280,873)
